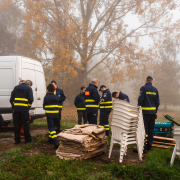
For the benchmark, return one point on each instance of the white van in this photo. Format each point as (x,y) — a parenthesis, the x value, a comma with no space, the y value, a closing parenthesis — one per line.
(12,70)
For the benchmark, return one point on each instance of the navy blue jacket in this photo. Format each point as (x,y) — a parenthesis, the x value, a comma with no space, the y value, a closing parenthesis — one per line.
(21,97)
(61,97)
(106,105)
(79,102)
(149,99)
(123,96)
(50,104)
(92,98)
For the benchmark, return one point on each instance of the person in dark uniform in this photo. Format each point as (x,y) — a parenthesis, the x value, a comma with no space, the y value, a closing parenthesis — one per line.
(61,98)
(79,102)
(21,100)
(120,95)
(50,104)
(149,100)
(105,108)
(92,99)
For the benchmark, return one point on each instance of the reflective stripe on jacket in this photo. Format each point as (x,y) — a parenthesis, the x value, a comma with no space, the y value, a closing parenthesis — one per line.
(79,102)
(51,106)
(106,105)
(92,98)
(21,97)
(149,99)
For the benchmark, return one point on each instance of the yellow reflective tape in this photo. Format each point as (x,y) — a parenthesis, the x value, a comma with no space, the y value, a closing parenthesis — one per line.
(92,105)
(89,100)
(106,125)
(50,136)
(152,93)
(105,106)
(81,108)
(29,104)
(101,126)
(21,99)
(20,104)
(107,102)
(148,108)
(51,106)
(107,128)
(52,111)
(52,132)
(54,136)
(59,106)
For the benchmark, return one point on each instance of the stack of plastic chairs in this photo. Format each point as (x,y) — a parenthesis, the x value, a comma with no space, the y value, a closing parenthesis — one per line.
(176,137)
(127,127)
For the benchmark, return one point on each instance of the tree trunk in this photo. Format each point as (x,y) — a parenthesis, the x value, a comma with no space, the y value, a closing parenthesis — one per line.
(165,106)
(83,78)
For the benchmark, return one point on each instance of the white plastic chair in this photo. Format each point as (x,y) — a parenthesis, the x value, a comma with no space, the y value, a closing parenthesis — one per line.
(176,137)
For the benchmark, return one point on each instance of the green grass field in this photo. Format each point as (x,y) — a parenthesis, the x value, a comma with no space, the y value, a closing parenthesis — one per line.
(18,164)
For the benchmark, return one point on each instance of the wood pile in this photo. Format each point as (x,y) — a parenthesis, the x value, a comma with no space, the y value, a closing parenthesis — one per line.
(81,142)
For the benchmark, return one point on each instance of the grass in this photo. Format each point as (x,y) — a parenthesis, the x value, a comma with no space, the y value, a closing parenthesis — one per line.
(16,165)
(5,136)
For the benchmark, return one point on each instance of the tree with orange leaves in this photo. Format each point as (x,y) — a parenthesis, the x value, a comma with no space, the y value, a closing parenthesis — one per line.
(71,34)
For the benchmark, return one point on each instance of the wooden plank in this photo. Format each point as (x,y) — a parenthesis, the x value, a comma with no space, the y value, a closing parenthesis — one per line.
(161,146)
(171,144)
(163,138)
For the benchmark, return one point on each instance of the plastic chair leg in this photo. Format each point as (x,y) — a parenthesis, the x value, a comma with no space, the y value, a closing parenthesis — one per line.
(111,146)
(173,156)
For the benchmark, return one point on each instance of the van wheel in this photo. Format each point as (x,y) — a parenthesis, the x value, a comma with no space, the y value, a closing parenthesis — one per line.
(1,121)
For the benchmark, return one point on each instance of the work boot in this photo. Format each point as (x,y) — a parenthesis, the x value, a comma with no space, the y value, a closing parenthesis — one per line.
(56,145)
(26,142)
(17,142)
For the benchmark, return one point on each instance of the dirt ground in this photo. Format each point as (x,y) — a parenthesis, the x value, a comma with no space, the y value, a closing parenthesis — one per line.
(8,143)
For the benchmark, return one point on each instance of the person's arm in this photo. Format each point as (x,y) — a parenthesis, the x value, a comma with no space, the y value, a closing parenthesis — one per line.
(44,103)
(157,103)
(128,99)
(62,97)
(12,97)
(96,96)
(76,101)
(106,96)
(30,97)
(141,97)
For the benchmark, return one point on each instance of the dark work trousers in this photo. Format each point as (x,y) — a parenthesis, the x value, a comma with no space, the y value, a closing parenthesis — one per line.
(52,132)
(58,122)
(149,121)
(21,117)
(82,114)
(92,117)
(104,117)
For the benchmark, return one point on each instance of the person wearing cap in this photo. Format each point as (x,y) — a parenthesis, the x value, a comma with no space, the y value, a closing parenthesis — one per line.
(120,96)
(79,102)
(92,99)
(105,108)
(61,98)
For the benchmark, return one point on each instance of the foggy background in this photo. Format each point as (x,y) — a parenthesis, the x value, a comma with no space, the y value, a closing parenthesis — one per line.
(120,42)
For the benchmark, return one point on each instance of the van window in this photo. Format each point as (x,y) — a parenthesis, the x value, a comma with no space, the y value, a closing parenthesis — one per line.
(6,78)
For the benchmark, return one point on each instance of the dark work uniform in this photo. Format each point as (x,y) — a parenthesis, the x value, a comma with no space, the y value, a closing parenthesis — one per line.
(50,104)
(105,110)
(61,97)
(21,100)
(123,96)
(92,99)
(149,100)
(79,102)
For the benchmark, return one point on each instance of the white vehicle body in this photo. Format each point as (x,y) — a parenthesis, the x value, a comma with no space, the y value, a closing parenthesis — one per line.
(12,70)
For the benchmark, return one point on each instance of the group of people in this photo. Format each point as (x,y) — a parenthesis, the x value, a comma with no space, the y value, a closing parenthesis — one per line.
(87,102)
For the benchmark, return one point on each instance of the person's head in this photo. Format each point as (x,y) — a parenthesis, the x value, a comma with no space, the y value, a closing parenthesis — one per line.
(54,84)
(149,79)
(29,83)
(115,95)
(102,88)
(95,81)
(50,88)
(82,89)
(21,81)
